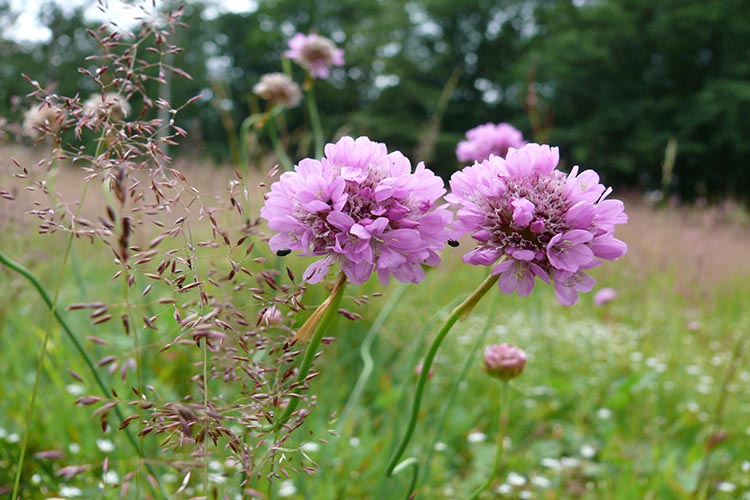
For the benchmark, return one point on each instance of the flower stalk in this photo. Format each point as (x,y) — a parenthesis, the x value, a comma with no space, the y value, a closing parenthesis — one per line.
(313,330)
(499,452)
(460,312)
(312,109)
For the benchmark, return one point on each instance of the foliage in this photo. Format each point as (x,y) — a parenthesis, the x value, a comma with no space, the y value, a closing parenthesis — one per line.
(615,79)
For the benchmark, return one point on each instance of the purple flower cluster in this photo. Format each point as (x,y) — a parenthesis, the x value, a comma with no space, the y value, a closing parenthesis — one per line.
(315,53)
(489,139)
(362,207)
(542,223)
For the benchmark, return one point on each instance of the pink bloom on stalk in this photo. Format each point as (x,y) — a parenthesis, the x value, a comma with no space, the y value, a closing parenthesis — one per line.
(487,140)
(605,295)
(363,208)
(542,223)
(504,361)
(315,53)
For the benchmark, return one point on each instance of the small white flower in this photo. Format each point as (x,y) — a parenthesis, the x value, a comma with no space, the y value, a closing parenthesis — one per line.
(105,445)
(75,389)
(569,462)
(69,491)
(13,438)
(726,487)
(310,446)
(588,451)
(354,442)
(540,481)
(516,479)
(110,477)
(36,479)
(504,489)
(476,437)
(525,494)
(745,466)
(551,463)
(217,478)
(604,413)
(74,448)
(692,369)
(3,433)
(440,446)
(287,488)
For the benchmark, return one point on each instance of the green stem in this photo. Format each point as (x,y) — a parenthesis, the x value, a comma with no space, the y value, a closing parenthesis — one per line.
(367,361)
(460,312)
(5,260)
(503,429)
(312,107)
(330,306)
(277,147)
(468,364)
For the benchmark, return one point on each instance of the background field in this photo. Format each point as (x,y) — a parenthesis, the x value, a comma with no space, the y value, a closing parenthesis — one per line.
(640,398)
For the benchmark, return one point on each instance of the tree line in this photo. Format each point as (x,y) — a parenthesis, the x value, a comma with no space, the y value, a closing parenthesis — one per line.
(612,82)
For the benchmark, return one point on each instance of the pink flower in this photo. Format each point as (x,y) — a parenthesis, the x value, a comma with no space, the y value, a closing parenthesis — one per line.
(542,223)
(278,88)
(504,361)
(487,140)
(604,295)
(363,208)
(315,53)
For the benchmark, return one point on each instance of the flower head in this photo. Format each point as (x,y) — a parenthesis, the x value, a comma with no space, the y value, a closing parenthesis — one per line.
(41,118)
(487,140)
(315,53)
(537,221)
(278,88)
(110,105)
(363,208)
(504,361)
(605,295)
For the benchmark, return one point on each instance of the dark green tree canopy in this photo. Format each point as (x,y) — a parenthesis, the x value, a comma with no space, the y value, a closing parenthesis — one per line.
(610,81)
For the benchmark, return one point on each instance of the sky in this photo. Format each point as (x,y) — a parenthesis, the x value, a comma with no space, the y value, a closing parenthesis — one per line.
(27,28)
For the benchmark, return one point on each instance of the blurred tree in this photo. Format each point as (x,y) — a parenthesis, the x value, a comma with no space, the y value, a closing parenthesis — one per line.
(624,76)
(616,79)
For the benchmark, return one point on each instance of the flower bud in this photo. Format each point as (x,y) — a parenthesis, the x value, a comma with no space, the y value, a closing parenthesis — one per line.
(504,361)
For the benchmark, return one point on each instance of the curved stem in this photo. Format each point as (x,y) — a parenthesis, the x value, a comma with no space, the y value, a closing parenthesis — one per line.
(460,312)
(366,355)
(470,359)
(320,320)
(500,441)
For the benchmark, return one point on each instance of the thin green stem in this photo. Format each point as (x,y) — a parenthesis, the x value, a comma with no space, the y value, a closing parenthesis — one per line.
(365,354)
(312,108)
(277,146)
(14,266)
(701,488)
(460,312)
(205,418)
(499,452)
(468,364)
(330,306)
(52,304)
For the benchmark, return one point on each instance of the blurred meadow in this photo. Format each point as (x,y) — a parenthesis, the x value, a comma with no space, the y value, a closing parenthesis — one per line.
(164,373)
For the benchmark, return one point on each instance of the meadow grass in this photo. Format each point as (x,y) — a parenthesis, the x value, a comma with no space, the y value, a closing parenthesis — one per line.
(643,397)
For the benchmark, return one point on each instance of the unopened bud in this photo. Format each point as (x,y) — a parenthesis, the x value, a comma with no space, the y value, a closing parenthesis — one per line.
(504,361)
